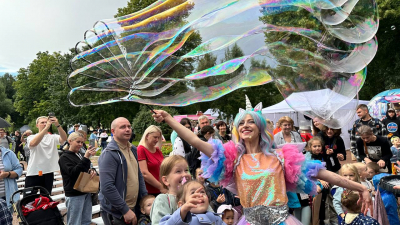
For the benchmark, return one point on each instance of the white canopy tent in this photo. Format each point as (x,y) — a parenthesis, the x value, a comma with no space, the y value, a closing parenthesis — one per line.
(280,109)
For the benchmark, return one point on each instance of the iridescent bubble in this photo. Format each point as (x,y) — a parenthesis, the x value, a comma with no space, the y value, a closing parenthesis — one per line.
(179,52)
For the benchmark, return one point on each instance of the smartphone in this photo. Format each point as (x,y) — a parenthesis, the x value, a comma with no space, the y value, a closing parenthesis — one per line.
(92,142)
(51,114)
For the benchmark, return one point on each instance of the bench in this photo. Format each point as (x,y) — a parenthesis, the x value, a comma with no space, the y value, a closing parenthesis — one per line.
(58,189)
(98,221)
(58,197)
(95,209)
(57,183)
(61,206)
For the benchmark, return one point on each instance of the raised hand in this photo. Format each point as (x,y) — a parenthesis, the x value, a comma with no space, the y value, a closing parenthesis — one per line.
(191,202)
(366,201)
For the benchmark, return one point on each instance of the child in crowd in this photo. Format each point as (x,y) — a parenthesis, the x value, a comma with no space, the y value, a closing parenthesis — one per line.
(324,213)
(395,150)
(350,172)
(314,145)
(220,195)
(173,171)
(145,206)
(198,176)
(362,172)
(372,170)
(354,215)
(193,201)
(229,214)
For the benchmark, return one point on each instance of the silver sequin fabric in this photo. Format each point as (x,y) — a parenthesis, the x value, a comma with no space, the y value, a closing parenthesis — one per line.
(266,215)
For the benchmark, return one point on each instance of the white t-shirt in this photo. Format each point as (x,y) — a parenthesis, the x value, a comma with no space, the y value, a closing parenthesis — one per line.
(178,148)
(44,156)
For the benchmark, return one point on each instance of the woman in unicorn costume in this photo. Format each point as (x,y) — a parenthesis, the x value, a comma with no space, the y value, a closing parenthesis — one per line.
(259,172)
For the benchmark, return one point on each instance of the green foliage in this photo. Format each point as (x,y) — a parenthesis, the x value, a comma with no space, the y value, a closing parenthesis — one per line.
(384,70)
(5,102)
(166,149)
(134,6)
(7,80)
(144,119)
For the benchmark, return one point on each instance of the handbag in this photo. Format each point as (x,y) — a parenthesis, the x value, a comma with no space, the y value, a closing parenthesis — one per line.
(86,184)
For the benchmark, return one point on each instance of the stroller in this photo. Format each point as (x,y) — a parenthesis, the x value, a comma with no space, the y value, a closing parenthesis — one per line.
(50,216)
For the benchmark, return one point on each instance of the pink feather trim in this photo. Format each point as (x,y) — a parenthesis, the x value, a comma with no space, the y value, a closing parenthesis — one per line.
(293,159)
(230,155)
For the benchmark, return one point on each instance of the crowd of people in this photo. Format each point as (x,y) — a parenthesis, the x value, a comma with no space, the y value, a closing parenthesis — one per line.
(246,172)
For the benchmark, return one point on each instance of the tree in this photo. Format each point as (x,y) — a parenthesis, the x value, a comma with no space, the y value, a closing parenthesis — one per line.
(144,119)
(229,104)
(7,80)
(6,103)
(384,70)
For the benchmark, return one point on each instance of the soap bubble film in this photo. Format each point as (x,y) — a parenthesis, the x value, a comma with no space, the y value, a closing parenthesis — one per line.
(175,53)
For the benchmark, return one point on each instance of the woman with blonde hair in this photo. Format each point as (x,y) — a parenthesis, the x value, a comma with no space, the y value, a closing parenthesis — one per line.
(72,163)
(150,158)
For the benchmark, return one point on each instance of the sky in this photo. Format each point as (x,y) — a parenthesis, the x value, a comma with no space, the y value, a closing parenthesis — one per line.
(32,26)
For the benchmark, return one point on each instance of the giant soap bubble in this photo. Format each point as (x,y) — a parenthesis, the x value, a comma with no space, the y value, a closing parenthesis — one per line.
(177,52)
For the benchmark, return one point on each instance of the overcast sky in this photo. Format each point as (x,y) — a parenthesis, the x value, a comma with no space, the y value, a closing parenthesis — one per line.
(30,26)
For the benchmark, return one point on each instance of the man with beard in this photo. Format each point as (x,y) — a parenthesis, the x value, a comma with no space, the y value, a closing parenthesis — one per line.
(378,128)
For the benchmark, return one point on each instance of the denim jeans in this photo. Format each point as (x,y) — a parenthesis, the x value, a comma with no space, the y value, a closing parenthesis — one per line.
(79,209)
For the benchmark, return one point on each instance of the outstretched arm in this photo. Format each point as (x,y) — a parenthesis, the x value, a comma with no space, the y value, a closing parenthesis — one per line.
(335,179)
(183,132)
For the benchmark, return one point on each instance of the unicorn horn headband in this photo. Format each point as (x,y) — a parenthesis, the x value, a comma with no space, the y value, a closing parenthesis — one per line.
(258,107)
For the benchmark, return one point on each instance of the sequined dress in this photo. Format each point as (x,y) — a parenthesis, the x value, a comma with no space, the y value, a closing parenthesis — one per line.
(263,179)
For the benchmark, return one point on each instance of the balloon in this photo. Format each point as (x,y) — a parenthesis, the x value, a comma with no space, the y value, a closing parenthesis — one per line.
(179,52)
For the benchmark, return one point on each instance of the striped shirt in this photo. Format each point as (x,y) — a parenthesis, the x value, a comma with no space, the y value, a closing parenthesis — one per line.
(2,186)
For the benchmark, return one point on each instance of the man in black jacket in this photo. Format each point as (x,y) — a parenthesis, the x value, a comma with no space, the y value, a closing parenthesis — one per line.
(392,123)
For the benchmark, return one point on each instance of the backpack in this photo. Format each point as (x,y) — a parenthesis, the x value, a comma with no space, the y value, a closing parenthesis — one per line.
(9,140)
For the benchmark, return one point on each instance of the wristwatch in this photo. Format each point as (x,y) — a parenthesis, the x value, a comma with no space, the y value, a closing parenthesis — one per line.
(59,125)
(9,174)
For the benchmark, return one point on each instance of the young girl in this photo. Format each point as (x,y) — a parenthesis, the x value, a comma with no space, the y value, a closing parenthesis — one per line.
(173,171)
(354,215)
(350,172)
(362,172)
(194,203)
(229,214)
(314,145)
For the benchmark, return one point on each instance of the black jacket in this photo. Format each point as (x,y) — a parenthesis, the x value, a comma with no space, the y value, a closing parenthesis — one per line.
(71,166)
(214,192)
(392,125)
(193,158)
(337,144)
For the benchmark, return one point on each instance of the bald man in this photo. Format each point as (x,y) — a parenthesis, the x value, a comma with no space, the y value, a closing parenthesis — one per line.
(121,182)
